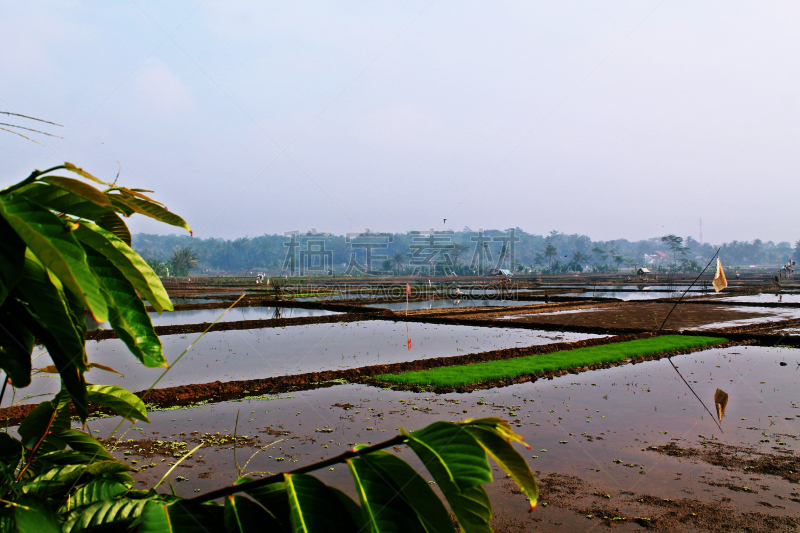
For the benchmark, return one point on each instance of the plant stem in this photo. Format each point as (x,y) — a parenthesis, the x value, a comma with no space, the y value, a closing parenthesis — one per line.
(219,493)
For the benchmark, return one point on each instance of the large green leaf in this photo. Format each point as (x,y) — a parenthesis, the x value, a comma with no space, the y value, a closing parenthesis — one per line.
(113,222)
(73,197)
(126,312)
(181,517)
(12,256)
(16,343)
(84,443)
(48,303)
(119,400)
(133,267)
(274,499)
(459,466)
(243,515)
(314,507)
(60,478)
(509,460)
(33,516)
(131,204)
(92,492)
(33,426)
(472,508)
(384,507)
(415,490)
(50,239)
(104,512)
(453,455)
(52,320)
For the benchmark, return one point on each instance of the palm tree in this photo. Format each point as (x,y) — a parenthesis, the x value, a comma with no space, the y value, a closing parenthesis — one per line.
(550,253)
(182,260)
(397,259)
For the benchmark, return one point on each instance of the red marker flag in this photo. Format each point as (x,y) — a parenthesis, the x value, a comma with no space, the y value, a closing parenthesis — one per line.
(409,344)
(408,289)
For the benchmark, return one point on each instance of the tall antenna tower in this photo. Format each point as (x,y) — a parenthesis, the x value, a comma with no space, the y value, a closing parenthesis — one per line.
(701,231)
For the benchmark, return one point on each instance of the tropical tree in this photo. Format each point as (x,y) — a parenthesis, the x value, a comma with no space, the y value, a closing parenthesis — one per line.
(602,255)
(182,260)
(675,245)
(550,252)
(398,259)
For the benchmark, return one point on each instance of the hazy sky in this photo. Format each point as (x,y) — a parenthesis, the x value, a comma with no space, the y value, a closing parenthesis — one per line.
(611,119)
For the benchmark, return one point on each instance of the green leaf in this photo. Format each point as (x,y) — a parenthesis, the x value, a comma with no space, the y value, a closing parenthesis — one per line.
(274,499)
(59,479)
(415,490)
(153,210)
(459,466)
(243,515)
(104,512)
(81,172)
(51,319)
(383,505)
(16,343)
(133,267)
(119,400)
(94,491)
(12,256)
(113,222)
(80,189)
(509,460)
(33,516)
(314,507)
(35,424)
(181,517)
(81,442)
(472,508)
(126,312)
(47,237)
(49,305)
(454,456)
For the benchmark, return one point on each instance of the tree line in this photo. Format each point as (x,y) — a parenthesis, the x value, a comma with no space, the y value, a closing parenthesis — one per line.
(468,252)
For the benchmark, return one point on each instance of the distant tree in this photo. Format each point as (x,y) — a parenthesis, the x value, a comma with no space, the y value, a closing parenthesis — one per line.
(796,254)
(550,252)
(387,265)
(397,259)
(159,267)
(675,245)
(182,260)
(600,254)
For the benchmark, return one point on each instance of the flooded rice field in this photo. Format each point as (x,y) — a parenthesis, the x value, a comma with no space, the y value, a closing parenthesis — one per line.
(628,446)
(446,304)
(764,298)
(239,313)
(260,353)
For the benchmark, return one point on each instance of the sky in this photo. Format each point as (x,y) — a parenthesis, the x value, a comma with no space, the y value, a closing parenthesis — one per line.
(610,119)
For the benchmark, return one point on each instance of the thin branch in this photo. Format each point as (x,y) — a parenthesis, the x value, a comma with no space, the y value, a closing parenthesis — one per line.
(31,118)
(29,129)
(225,491)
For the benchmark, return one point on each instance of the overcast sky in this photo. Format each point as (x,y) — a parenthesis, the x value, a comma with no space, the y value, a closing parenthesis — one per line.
(612,119)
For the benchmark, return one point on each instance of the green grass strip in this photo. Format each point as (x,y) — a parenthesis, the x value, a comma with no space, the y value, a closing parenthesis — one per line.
(454,376)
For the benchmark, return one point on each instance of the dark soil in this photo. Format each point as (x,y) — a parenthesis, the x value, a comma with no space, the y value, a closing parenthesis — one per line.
(644,316)
(785,465)
(613,509)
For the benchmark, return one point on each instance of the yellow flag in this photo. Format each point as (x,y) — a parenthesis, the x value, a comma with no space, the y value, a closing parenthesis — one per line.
(720,281)
(720,402)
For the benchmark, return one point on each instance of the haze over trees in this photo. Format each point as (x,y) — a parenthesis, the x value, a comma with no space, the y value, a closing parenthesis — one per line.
(555,252)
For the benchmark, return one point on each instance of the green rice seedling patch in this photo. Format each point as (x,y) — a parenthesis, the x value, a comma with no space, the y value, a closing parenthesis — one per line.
(454,376)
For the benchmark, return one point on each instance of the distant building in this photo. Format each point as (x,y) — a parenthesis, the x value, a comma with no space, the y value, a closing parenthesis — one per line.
(500,272)
(643,272)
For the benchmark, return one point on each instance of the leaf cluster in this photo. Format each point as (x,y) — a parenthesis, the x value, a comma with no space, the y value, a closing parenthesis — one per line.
(66,255)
